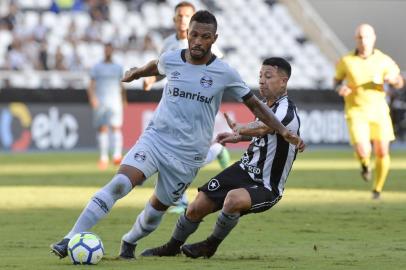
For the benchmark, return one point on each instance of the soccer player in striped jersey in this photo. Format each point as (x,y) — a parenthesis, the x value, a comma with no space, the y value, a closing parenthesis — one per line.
(252,185)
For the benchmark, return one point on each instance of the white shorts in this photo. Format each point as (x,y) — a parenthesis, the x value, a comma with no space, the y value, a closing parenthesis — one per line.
(108,116)
(174,176)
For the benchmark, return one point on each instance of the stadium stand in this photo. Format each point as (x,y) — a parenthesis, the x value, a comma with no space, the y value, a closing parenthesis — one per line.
(54,45)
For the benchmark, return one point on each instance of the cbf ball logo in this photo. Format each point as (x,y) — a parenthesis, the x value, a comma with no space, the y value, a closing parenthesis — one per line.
(213,184)
(20,112)
(206,81)
(140,156)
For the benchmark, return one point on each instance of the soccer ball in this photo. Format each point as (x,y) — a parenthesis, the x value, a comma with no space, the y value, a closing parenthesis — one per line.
(85,248)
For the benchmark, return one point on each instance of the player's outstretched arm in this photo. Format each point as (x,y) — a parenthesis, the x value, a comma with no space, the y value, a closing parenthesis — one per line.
(260,110)
(149,69)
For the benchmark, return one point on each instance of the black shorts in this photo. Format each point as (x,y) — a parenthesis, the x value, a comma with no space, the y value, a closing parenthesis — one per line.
(235,177)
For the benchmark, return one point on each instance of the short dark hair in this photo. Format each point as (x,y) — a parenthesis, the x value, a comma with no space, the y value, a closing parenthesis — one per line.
(204,16)
(280,62)
(185,4)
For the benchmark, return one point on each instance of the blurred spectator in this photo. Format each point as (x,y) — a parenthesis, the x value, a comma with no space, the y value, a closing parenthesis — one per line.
(16,58)
(149,44)
(72,35)
(59,59)
(93,32)
(40,31)
(43,56)
(74,60)
(11,19)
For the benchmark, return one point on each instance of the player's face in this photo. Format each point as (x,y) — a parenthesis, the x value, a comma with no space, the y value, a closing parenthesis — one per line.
(200,38)
(108,51)
(182,18)
(365,39)
(272,84)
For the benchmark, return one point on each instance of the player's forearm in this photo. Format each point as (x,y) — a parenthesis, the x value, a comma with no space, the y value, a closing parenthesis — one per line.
(149,69)
(264,114)
(398,83)
(254,129)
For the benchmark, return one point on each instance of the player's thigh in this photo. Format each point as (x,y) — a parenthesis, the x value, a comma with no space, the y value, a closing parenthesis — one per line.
(237,200)
(100,116)
(142,157)
(262,199)
(359,130)
(174,177)
(382,129)
(231,178)
(116,116)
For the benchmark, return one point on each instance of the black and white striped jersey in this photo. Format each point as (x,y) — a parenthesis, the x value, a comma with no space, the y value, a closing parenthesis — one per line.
(269,158)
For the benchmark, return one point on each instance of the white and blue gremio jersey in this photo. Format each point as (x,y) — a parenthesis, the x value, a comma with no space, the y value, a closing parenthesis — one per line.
(183,121)
(108,83)
(172,43)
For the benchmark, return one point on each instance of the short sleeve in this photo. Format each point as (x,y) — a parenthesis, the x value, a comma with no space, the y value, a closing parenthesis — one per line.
(340,70)
(237,88)
(162,63)
(391,68)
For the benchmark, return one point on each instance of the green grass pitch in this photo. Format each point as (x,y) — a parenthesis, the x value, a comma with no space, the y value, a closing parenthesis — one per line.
(326,219)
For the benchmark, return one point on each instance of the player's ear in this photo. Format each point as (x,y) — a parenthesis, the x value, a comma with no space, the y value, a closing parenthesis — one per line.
(215,37)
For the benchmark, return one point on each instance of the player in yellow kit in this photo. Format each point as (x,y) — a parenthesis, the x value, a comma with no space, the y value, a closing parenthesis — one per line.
(360,78)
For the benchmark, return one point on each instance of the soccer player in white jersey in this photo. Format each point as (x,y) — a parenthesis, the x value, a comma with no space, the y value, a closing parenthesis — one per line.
(252,185)
(178,40)
(178,137)
(106,96)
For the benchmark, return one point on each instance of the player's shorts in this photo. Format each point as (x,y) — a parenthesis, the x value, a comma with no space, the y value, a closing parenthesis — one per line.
(108,116)
(234,177)
(364,128)
(174,176)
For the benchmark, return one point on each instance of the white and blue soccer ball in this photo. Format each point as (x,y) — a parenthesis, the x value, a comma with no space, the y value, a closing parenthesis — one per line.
(85,248)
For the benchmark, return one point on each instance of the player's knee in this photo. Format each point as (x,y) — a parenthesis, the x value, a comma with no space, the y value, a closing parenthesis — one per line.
(192,212)
(233,202)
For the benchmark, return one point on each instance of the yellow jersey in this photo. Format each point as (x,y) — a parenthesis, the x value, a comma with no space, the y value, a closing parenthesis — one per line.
(365,77)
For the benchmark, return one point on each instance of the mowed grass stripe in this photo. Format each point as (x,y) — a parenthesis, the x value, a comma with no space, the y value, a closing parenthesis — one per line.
(89,168)
(74,197)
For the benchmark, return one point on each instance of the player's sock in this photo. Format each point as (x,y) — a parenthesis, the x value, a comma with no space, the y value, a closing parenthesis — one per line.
(103,139)
(225,223)
(364,161)
(214,150)
(224,158)
(184,227)
(145,223)
(101,203)
(381,172)
(118,144)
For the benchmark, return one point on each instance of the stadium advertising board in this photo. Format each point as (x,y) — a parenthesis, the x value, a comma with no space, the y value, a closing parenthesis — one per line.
(45,126)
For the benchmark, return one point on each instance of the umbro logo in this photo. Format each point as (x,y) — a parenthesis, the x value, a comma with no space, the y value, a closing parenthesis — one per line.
(213,184)
(175,75)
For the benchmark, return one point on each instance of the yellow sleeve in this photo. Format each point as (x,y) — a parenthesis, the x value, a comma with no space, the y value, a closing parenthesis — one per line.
(391,68)
(340,70)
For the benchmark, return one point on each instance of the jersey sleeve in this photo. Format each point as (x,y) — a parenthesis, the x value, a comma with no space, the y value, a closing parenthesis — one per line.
(340,70)
(237,87)
(162,63)
(391,68)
